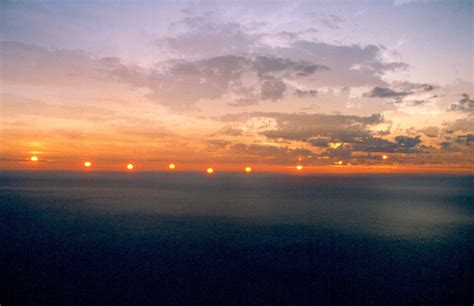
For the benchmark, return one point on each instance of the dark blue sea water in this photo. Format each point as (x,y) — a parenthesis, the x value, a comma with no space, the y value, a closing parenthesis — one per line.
(231,239)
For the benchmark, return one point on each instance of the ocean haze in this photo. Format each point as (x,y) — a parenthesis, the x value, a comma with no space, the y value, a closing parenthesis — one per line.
(187,238)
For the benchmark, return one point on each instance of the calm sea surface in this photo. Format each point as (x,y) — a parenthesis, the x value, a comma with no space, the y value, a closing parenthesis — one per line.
(232,239)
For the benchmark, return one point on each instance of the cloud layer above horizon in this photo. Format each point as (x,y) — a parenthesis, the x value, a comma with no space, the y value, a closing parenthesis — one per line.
(273,82)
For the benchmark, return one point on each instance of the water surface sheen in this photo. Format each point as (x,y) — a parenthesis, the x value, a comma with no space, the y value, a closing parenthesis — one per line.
(180,238)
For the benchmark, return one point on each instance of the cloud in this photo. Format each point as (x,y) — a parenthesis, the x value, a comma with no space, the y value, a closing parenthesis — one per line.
(26,63)
(243,80)
(270,153)
(383,92)
(239,69)
(431,131)
(341,60)
(399,90)
(230,131)
(401,144)
(196,36)
(265,65)
(466,139)
(305,93)
(242,64)
(463,125)
(459,144)
(272,89)
(407,141)
(465,105)
(218,143)
(304,127)
(338,135)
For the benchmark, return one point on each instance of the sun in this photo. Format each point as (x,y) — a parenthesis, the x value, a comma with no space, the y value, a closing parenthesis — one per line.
(299,167)
(130,166)
(34,158)
(384,157)
(248,169)
(210,170)
(172,166)
(87,164)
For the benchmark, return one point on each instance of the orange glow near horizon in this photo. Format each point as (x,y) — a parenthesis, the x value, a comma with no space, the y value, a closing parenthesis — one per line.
(171,166)
(210,170)
(34,158)
(335,167)
(130,166)
(248,169)
(384,157)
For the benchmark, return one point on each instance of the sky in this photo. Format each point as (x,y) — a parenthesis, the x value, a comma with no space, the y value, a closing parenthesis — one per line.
(334,86)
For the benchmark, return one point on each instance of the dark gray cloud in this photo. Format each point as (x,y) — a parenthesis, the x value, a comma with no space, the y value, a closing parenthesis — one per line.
(400,90)
(407,141)
(265,65)
(383,92)
(319,142)
(353,133)
(401,144)
(466,105)
(272,89)
(465,139)
(305,127)
(249,80)
(459,143)
(306,93)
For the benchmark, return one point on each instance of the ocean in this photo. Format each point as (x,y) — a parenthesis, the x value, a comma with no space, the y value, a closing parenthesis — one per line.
(90,238)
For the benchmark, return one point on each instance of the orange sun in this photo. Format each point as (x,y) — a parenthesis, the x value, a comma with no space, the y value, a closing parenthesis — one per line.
(172,166)
(210,170)
(299,167)
(248,169)
(87,164)
(130,166)
(34,158)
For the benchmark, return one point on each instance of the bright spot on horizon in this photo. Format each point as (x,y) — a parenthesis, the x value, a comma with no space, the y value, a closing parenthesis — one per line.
(248,169)
(384,157)
(339,162)
(172,166)
(87,164)
(210,170)
(130,166)
(335,145)
(299,167)
(34,158)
